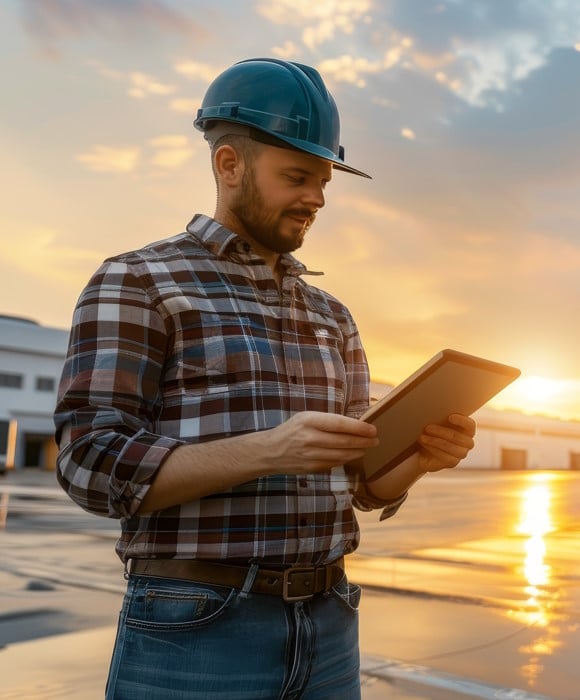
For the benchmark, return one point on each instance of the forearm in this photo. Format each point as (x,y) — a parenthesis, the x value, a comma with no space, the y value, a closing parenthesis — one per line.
(306,443)
(194,471)
(396,482)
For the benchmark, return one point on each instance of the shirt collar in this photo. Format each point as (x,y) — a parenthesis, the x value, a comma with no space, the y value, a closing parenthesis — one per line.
(222,242)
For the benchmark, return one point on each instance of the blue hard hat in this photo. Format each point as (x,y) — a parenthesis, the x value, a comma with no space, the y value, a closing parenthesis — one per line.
(286,101)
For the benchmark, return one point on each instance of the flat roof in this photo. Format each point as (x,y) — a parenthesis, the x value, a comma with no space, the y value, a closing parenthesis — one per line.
(23,334)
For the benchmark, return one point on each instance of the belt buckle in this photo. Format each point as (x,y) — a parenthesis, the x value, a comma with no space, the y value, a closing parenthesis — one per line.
(307,576)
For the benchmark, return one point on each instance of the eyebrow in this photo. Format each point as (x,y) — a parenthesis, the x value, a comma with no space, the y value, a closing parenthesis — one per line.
(304,171)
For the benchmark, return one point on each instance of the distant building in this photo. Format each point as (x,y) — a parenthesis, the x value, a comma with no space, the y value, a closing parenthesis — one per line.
(510,440)
(31,360)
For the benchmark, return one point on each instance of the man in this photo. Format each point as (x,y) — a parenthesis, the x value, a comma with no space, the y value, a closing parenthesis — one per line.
(210,400)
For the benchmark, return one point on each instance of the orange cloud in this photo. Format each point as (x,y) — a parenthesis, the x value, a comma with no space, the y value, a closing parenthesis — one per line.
(108,159)
(196,71)
(143,85)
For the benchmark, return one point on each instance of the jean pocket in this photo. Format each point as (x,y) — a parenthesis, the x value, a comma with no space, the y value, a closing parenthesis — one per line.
(348,594)
(173,607)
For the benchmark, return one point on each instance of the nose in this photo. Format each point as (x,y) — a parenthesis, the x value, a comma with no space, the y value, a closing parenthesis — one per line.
(313,197)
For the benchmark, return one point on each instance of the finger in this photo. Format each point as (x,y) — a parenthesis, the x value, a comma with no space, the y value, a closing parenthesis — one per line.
(443,433)
(342,441)
(432,458)
(465,423)
(327,459)
(459,446)
(335,423)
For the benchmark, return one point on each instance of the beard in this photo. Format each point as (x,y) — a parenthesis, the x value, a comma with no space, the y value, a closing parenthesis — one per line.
(264,225)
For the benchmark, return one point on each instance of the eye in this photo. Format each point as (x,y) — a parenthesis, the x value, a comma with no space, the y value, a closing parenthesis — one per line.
(296,179)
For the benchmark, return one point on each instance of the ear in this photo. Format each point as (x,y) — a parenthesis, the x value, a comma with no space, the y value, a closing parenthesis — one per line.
(229,167)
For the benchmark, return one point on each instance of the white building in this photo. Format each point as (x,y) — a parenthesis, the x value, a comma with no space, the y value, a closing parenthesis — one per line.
(511,440)
(31,360)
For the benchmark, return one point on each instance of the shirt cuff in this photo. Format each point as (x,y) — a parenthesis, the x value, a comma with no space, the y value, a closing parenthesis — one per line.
(367,503)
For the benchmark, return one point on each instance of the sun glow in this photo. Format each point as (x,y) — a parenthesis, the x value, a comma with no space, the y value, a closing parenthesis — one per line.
(540,395)
(538,389)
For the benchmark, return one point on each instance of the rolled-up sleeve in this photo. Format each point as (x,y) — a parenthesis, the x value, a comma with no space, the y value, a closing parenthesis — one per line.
(387,508)
(109,393)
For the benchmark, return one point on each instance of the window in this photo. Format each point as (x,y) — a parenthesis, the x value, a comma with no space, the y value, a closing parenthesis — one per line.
(44,384)
(11,381)
(575,461)
(4,427)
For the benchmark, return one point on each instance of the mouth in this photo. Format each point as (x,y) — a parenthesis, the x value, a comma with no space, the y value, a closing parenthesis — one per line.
(304,218)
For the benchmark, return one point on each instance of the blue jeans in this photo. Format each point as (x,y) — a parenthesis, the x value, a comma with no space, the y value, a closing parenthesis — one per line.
(179,640)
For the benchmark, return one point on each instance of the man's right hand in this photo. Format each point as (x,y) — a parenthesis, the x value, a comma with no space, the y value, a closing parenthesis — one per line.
(312,442)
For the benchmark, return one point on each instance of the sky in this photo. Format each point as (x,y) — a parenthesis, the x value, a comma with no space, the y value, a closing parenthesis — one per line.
(465,112)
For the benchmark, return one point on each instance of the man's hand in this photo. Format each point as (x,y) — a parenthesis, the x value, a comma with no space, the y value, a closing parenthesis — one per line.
(444,446)
(312,442)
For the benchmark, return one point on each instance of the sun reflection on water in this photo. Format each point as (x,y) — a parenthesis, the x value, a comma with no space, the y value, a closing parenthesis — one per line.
(535,523)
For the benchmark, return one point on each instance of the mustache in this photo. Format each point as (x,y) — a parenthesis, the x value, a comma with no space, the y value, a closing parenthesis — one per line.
(308,214)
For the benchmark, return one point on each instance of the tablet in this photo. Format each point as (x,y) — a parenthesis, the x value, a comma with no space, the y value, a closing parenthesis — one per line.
(450,382)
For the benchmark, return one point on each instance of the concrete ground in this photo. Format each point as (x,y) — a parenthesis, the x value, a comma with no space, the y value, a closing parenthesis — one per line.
(424,634)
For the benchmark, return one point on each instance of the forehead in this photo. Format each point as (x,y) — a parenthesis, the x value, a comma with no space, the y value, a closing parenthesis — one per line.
(289,159)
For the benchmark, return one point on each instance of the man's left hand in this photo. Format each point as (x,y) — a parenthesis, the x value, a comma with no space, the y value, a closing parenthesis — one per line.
(444,446)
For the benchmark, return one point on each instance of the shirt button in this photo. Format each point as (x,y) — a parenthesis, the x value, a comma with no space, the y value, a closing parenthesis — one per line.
(303,483)
(303,522)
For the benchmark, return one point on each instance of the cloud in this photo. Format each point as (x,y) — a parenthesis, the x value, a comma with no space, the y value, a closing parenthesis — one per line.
(342,12)
(108,159)
(54,23)
(169,141)
(349,69)
(167,152)
(171,151)
(143,85)
(355,69)
(323,18)
(139,85)
(496,65)
(185,105)
(288,51)
(533,139)
(196,71)
(105,71)
(486,47)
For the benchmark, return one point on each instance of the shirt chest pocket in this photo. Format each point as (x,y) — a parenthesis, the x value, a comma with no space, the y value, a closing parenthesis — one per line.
(223,350)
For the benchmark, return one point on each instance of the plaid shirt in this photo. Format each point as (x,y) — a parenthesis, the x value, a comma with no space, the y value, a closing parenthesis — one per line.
(189,340)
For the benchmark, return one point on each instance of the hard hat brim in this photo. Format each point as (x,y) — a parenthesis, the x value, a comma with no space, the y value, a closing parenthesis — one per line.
(216,128)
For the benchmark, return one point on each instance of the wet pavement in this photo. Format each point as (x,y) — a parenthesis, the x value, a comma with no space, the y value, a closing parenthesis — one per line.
(471,591)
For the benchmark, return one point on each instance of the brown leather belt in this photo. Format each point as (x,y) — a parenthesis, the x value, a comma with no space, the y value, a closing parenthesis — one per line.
(293,584)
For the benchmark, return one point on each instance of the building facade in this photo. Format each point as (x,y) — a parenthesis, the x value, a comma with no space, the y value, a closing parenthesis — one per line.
(31,360)
(510,440)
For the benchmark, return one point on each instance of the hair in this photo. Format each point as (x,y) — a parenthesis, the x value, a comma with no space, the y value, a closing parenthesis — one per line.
(244,146)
